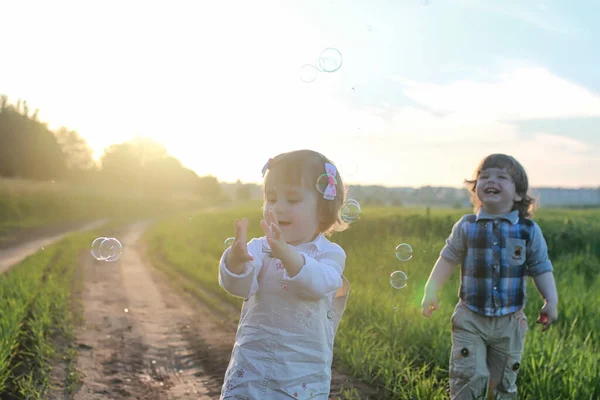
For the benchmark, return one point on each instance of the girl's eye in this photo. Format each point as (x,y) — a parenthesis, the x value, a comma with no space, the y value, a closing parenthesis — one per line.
(294,201)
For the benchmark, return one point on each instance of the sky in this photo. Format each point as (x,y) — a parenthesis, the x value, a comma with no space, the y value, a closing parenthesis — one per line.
(426,88)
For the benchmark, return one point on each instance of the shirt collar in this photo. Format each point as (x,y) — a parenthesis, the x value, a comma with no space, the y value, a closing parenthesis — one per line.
(512,216)
(319,243)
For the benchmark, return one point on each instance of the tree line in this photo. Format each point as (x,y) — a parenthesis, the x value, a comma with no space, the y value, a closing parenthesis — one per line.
(30,150)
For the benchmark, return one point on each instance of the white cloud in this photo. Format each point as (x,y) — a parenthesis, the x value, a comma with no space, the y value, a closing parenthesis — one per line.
(525,92)
(535,13)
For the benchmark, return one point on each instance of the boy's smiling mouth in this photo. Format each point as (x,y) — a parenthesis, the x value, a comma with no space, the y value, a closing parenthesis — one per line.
(491,191)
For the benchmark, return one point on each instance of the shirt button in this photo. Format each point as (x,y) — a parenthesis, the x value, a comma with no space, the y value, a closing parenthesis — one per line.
(330,314)
(495,266)
(495,288)
(495,243)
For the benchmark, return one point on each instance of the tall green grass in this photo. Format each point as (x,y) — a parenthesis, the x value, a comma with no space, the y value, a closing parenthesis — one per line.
(35,299)
(383,337)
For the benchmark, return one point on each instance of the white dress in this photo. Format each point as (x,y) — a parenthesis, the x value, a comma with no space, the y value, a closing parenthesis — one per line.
(284,343)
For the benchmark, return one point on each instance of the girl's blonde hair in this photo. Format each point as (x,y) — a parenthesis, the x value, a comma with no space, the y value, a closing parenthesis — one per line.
(526,205)
(304,168)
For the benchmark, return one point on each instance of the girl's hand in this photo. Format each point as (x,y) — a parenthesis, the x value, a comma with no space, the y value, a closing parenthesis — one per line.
(238,254)
(273,233)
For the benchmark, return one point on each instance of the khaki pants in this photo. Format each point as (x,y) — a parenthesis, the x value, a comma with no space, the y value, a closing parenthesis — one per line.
(486,353)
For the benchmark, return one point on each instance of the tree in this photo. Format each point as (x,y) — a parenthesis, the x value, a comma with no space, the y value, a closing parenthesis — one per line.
(29,150)
(78,154)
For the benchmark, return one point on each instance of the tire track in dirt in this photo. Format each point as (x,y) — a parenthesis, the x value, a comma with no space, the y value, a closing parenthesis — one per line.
(134,344)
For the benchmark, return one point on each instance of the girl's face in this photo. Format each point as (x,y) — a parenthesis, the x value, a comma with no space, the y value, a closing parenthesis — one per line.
(296,210)
(496,190)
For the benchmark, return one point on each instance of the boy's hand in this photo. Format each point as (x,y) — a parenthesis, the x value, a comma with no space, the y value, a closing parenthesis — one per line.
(239,254)
(548,315)
(429,303)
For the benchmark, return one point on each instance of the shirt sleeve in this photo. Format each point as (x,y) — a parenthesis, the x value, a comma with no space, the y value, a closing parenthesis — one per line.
(242,285)
(456,244)
(537,261)
(320,275)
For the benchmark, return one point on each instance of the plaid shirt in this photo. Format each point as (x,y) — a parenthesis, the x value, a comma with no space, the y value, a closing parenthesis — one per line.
(497,252)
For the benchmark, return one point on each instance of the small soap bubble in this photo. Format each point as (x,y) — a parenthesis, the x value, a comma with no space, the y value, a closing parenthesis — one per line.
(330,60)
(110,249)
(153,361)
(228,242)
(323,181)
(106,249)
(126,310)
(96,247)
(398,279)
(404,252)
(190,219)
(308,73)
(350,211)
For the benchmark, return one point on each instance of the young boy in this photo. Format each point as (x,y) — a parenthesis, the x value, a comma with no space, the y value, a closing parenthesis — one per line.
(497,247)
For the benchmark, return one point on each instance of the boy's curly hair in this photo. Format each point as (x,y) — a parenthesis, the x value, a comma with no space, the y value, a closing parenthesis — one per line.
(527,205)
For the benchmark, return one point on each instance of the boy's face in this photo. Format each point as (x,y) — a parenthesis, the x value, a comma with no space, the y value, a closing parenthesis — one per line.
(496,190)
(296,210)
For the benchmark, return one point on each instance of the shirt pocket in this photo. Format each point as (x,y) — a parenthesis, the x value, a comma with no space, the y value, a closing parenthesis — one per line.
(515,252)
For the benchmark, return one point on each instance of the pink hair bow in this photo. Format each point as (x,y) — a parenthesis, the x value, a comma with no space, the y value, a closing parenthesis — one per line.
(330,192)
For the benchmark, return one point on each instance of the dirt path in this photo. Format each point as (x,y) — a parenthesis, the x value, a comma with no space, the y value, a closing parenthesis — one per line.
(134,340)
(18,252)
(143,340)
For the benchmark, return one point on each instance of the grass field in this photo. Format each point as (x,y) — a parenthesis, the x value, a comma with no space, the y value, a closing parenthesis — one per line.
(37,314)
(383,338)
(27,204)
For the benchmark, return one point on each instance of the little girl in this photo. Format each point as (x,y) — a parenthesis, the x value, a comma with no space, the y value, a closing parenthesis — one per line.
(291,281)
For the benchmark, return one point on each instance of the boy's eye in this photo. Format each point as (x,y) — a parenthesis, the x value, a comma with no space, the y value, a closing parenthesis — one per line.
(294,201)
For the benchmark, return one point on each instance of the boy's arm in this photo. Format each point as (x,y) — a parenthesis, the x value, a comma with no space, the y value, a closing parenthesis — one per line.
(539,266)
(451,256)
(442,270)
(546,287)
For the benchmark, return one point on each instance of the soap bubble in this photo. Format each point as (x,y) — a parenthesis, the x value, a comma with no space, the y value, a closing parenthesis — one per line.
(330,60)
(106,249)
(404,252)
(350,211)
(323,181)
(308,73)
(228,242)
(398,279)
(110,249)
